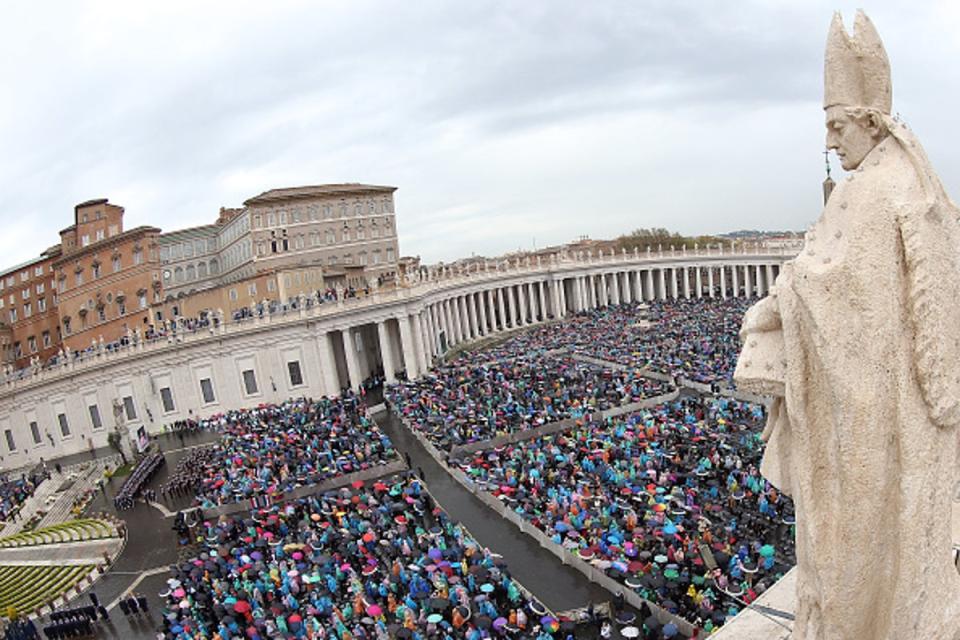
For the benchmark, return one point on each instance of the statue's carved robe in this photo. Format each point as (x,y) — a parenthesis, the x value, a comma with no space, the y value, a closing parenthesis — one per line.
(864,439)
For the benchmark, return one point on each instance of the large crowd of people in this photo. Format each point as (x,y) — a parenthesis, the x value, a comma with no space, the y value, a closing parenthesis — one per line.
(377,562)
(668,500)
(14,492)
(135,484)
(272,449)
(476,398)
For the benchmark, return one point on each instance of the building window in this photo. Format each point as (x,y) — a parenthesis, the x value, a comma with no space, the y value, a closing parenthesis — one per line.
(129,408)
(271,285)
(79,278)
(252,288)
(233,294)
(121,308)
(17,350)
(116,264)
(361,234)
(100,235)
(66,326)
(362,258)
(250,382)
(46,339)
(40,288)
(35,432)
(143,300)
(42,305)
(390,256)
(38,270)
(96,270)
(296,376)
(11,445)
(27,310)
(376,257)
(346,233)
(166,399)
(13,315)
(102,314)
(137,256)
(32,344)
(95,420)
(206,391)
(25,294)
(64,425)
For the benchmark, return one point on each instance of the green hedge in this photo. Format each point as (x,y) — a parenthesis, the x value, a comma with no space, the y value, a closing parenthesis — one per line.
(26,587)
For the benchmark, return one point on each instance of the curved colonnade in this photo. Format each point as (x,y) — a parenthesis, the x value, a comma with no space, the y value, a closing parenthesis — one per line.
(320,349)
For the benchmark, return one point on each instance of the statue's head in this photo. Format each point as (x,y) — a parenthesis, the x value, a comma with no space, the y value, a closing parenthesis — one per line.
(857,90)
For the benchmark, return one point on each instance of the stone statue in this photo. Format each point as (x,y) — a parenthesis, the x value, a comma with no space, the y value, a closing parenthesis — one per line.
(858,343)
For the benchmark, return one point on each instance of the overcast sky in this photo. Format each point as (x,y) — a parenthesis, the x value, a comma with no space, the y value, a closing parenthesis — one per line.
(503,124)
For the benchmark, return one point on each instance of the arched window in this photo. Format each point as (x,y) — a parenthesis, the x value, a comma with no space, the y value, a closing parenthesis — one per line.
(331,236)
(178,274)
(191,273)
(214,267)
(202,270)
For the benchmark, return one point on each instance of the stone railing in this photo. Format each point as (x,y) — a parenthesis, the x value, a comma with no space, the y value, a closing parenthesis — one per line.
(436,282)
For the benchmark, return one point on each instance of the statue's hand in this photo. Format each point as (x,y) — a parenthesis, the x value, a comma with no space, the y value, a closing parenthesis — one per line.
(761,317)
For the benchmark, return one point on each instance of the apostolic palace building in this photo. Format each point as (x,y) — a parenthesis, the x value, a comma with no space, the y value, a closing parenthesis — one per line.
(299,292)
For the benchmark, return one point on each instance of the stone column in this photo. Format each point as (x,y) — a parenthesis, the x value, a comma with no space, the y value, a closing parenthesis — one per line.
(698,281)
(386,352)
(603,290)
(686,281)
(522,304)
(651,293)
(747,285)
(448,326)
(457,319)
(490,316)
(736,282)
(723,282)
(542,296)
(350,354)
(331,381)
(423,361)
(474,316)
(710,281)
(762,283)
(625,292)
(674,289)
(637,287)
(502,308)
(770,278)
(594,298)
(435,329)
(408,347)
(482,298)
(464,318)
(510,320)
(532,303)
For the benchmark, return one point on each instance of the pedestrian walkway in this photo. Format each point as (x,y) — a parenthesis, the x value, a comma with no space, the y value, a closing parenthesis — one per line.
(81,552)
(559,587)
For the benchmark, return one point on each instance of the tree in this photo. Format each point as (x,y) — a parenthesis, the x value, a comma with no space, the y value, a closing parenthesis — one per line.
(655,238)
(115,440)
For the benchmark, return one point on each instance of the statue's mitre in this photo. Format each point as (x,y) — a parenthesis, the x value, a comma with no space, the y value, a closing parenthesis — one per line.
(856,70)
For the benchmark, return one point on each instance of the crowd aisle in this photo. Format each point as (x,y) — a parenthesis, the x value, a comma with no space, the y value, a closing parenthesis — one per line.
(668,501)
(271,449)
(487,394)
(381,561)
